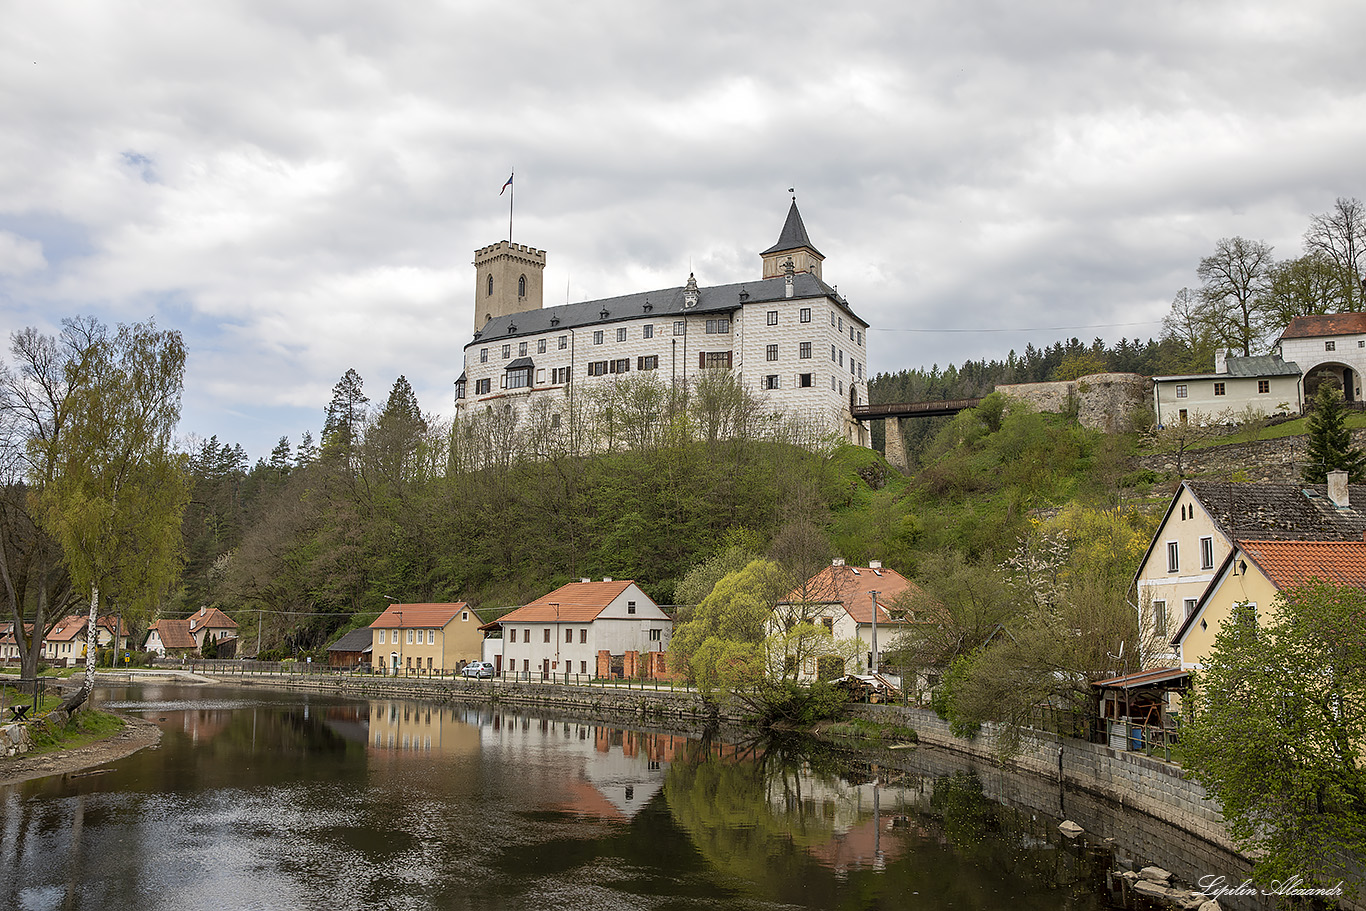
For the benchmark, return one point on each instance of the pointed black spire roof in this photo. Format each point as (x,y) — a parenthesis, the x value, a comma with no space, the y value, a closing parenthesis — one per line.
(793,236)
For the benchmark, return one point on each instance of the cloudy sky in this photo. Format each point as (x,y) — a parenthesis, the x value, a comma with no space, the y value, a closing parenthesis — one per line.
(298,186)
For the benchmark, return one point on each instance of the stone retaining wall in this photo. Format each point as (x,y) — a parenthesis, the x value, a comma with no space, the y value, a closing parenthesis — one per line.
(1278,461)
(1104,401)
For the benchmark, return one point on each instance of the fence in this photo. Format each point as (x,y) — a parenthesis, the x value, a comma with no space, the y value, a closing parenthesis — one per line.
(228,668)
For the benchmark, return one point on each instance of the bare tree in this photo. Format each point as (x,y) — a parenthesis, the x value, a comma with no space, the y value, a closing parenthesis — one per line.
(1233,278)
(1340,237)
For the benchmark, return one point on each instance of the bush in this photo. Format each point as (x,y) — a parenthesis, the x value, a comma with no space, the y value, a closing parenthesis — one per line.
(787,702)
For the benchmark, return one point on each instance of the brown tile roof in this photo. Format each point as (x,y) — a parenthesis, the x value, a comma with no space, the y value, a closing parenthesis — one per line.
(419,616)
(1326,324)
(852,587)
(1288,563)
(577,602)
(174,633)
(211,618)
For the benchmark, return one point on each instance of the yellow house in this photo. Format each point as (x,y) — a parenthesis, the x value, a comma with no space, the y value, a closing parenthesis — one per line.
(426,638)
(1253,575)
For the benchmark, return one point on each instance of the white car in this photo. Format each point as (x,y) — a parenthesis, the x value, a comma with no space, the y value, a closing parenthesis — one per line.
(478,669)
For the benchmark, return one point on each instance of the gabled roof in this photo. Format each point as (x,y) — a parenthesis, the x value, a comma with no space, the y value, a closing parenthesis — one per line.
(1326,324)
(577,602)
(794,235)
(211,618)
(358,640)
(74,625)
(424,616)
(1245,367)
(1288,563)
(852,588)
(174,633)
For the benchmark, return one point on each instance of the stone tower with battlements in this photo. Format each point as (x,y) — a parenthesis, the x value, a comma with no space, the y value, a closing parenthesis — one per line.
(508,278)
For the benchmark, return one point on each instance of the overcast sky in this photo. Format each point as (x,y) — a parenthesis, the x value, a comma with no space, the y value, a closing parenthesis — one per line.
(299,187)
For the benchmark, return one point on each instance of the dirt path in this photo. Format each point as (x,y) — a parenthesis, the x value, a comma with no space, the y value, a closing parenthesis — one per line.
(137,734)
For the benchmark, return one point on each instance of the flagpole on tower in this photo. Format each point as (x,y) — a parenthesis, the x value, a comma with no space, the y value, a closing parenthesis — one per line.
(509,186)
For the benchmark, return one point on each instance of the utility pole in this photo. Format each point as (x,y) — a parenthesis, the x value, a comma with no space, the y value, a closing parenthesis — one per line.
(872,669)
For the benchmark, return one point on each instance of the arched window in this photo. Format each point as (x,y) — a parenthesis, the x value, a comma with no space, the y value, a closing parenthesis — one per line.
(490,291)
(521,286)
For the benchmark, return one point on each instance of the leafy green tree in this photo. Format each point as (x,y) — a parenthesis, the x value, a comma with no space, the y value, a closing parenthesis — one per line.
(721,644)
(1300,287)
(1277,730)
(1330,442)
(116,498)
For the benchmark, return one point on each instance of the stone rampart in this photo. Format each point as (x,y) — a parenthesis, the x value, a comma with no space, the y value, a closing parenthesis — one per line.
(1104,401)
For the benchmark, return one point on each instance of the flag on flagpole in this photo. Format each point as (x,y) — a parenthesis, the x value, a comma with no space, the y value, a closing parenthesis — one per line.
(506,185)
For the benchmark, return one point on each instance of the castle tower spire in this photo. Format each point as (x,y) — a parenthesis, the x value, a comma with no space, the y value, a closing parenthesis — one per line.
(793,244)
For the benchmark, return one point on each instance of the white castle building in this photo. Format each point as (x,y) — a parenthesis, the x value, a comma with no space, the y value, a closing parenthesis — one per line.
(787,336)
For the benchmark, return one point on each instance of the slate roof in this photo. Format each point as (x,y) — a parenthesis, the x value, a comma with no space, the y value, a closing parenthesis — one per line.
(852,588)
(1326,324)
(1288,563)
(793,236)
(666,303)
(1282,512)
(577,602)
(1256,366)
(419,616)
(174,633)
(358,640)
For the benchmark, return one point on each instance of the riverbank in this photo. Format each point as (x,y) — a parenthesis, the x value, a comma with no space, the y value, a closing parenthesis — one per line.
(136,734)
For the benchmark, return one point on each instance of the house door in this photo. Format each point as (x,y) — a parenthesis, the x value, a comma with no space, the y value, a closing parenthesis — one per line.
(498,665)
(393,662)
(545,668)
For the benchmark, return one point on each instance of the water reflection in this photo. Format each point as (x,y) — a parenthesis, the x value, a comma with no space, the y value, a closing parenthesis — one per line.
(260,800)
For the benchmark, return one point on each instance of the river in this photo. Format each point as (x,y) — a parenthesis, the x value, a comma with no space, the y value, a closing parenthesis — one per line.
(272,800)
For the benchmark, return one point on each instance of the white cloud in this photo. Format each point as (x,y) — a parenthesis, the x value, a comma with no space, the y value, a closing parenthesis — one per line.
(19,255)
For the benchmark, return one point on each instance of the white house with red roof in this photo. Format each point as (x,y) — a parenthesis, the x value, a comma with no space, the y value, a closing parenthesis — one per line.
(171,637)
(211,623)
(1327,346)
(65,642)
(564,631)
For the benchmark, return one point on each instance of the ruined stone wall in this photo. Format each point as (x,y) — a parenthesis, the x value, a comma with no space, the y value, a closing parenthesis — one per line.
(1104,401)
(1279,461)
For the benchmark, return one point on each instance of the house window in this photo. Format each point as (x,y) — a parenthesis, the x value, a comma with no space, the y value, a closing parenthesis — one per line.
(568,635)
(483,387)
(828,623)
(1190,606)
(656,635)
(1180,390)
(518,379)
(564,342)
(1160,618)
(1246,616)
(1264,386)
(547,634)
(621,365)
(597,336)
(1173,557)
(717,326)
(648,362)
(507,352)
(1183,416)
(1218,388)
(410,637)
(773,317)
(381,637)
(679,327)
(483,355)
(521,349)
(804,379)
(771,381)
(1207,553)
(805,316)
(713,359)
(431,637)
(583,636)
(597,368)
(771,352)
(583,667)
(648,331)
(621,334)
(804,350)
(1330,346)
(526,665)
(630,607)
(512,635)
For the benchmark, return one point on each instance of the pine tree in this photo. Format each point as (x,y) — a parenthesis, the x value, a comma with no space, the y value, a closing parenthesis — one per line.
(1330,442)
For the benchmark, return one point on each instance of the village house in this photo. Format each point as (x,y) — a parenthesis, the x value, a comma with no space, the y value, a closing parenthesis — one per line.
(786,335)
(171,638)
(426,638)
(587,628)
(839,598)
(354,649)
(65,643)
(1197,534)
(1328,347)
(211,623)
(1239,386)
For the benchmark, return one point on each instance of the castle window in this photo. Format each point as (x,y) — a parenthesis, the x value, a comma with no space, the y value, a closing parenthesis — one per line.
(805,315)
(648,362)
(1264,386)
(564,342)
(490,285)
(832,353)
(621,365)
(679,327)
(804,380)
(483,387)
(771,381)
(832,384)
(460,388)
(597,368)
(804,350)
(773,317)
(507,352)
(832,317)
(841,360)
(597,337)
(1330,346)
(771,353)
(649,331)
(483,355)
(521,286)
(621,334)
(519,378)
(521,349)
(860,336)
(713,360)
(717,326)
(540,346)
(559,376)
(555,418)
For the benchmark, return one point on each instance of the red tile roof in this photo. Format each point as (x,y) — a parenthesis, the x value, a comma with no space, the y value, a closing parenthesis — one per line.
(70,627)
(852,586)
(211,618)
(1288,563)
(419,616)
(577,602)
(1326,324)
(174,633)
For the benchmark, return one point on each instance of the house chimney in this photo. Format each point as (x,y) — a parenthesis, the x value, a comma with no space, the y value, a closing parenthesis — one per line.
(202,610)
(1221,360)
(585,579)
(838,561)
(1337,489)
(875,564)
(607,578)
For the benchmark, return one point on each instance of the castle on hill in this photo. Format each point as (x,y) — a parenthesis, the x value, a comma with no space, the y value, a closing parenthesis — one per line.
(788,337)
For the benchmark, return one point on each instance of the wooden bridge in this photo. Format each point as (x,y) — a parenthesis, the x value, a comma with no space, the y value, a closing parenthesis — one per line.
(891,414)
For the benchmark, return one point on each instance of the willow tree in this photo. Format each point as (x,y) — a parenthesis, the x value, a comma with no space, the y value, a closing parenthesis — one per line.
(115,499)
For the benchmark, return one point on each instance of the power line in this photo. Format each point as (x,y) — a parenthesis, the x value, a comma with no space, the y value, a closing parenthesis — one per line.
(1151,322)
